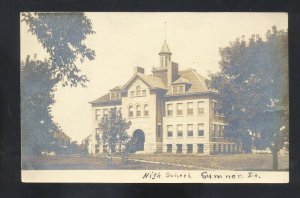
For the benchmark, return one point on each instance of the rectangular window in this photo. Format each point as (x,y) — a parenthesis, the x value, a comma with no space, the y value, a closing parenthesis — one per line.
(221,129)
(190,130)
(233,148)
(97,112)
(201,107)
(170,130)
(179,109)
(97,148)
(105,111)
(179,130)
(200,148)
(190,108)
(229,148)
(169,148)
(131,93)
(215,130)
(143,92)
(169,109)
(215,108)
(219,148)
(224,148)
(215,148)
(175,89)
(201,129)
(189,148)
(179,148)
(113,96)
(180,89)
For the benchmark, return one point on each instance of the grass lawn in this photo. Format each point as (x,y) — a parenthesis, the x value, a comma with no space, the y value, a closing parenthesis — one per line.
(221,162)
(86,163)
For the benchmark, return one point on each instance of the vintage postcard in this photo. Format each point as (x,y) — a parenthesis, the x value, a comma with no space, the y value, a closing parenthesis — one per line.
(154,97)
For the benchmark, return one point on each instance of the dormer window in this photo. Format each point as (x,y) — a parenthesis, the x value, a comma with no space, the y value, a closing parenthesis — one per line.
(115,95)
(178,89)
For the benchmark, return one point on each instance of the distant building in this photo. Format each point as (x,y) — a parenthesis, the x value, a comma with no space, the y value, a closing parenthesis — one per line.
(61,143)
(171,111)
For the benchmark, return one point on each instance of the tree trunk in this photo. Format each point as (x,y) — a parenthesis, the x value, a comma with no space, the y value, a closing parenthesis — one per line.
(275,159)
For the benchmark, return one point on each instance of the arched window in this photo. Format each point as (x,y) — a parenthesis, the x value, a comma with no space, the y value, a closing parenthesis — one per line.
(138,90)
(130,111)
(146,110)
(138,110)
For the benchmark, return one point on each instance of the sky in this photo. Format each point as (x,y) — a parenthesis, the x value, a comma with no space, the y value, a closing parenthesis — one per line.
(126,40)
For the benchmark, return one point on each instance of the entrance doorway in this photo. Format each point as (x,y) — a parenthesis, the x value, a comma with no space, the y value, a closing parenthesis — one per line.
(139,138)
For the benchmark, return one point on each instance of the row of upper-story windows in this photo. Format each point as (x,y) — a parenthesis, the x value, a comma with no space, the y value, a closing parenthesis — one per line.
(218,130)
(101,112)
(190,108)
(189,130)
(138,111)
(138,92)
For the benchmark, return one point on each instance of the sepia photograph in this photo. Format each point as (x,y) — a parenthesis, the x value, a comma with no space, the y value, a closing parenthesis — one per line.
(154,97)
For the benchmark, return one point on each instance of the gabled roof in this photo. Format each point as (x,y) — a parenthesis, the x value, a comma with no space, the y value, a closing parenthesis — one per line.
(165,49)
(181,81)
(196,81)
(61,135)
(152,81)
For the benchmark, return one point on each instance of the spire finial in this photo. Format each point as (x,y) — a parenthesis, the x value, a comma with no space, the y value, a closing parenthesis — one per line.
(165,30)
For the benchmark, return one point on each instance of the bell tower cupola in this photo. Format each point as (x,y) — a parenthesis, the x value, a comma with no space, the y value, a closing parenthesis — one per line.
(165,55)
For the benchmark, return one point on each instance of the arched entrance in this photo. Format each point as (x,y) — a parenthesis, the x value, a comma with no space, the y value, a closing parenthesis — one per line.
(139,137)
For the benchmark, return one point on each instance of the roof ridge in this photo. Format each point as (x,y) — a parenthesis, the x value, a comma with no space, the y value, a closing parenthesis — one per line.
(198,76)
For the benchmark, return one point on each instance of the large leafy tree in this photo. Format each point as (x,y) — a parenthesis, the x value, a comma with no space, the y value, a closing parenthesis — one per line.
(62,35)
(252,82)
(113,129)
(37,96)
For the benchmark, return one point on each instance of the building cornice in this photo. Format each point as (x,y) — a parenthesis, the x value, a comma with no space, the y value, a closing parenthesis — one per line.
(189,95)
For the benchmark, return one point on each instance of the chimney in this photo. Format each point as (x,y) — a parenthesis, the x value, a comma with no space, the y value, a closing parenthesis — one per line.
(172,72)
(139,70)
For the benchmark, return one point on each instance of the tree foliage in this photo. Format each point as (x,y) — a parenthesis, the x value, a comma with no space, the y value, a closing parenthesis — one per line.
(37,88)
(253,80)
(62,36)
(113,129)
